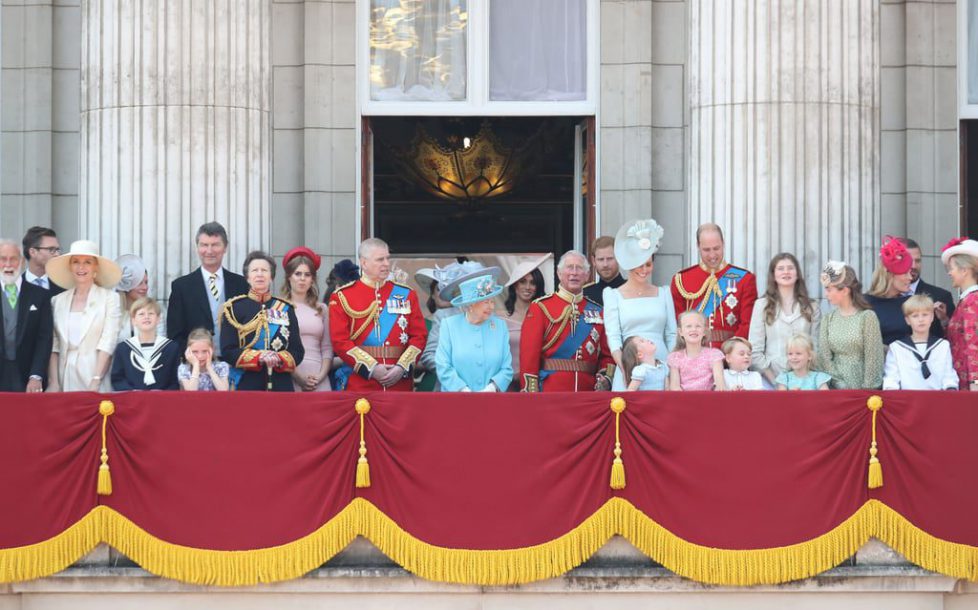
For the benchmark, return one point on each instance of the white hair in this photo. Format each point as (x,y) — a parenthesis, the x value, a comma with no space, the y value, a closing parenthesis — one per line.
(9,242)
(569,253)
(369,244)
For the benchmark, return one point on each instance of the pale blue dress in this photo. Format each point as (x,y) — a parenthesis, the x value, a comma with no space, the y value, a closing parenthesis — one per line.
(471,355)
(653,318)
(653,377)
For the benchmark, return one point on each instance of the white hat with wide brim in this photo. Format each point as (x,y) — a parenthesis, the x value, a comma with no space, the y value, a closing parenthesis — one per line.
(58,269)
(968,246)
(636,242)
(423,278)
(524,267)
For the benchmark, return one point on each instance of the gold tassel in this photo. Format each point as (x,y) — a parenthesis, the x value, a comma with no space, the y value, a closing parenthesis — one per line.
(363,468)
(617,466)
(106,408)
(875,403)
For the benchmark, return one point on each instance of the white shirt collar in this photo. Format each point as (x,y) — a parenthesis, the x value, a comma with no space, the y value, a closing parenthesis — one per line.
(31,277)
(17,282)
(207,274)
(969,290)
(913,289)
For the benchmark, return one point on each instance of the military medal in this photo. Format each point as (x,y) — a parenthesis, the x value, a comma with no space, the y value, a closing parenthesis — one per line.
(404,338)
(402,322)
(731,319)
(731,300)
(277,344)
(594,334)
(590,348)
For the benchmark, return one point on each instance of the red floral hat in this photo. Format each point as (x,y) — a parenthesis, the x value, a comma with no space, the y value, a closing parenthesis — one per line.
(959,245)
(895,256)
(302,251)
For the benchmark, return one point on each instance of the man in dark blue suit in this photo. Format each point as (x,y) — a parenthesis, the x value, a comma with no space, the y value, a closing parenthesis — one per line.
(41,245)
(944,303)
(26,325)
(196,299)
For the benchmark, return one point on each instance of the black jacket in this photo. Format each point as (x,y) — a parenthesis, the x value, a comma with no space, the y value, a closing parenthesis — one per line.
(939,295)
(189,305)
(35,328)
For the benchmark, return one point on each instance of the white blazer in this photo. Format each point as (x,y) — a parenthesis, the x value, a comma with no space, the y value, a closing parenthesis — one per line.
(100,322)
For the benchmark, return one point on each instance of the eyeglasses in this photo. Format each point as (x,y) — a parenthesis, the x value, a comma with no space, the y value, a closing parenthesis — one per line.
(51,249)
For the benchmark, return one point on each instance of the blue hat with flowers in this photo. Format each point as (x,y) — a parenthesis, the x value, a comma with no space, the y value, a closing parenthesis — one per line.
(477,289)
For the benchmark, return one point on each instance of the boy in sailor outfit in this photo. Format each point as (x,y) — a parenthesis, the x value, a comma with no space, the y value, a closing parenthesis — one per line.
(920,361)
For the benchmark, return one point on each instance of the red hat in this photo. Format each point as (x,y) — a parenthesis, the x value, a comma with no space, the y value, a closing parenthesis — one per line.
(895,256)
(302,251)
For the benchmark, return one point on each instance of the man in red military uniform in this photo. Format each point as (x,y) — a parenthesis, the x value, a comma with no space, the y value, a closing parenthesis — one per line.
(723,293)
(562,341)
(376,325)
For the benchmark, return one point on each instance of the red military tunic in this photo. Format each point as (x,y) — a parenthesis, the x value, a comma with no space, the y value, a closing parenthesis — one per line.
(371,324)
(563,345)
(725,297)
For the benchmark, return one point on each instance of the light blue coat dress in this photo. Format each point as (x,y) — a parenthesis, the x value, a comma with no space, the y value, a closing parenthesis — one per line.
(652,318)
(470,355)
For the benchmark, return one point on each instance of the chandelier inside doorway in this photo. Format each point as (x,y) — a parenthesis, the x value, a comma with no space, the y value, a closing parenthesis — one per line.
(466,169)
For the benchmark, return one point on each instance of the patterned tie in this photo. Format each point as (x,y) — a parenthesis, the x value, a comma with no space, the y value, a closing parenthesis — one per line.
(39,281)
(213,286)
(11,290)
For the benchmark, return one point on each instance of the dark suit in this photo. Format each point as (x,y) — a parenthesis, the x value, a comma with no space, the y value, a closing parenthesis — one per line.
(939,295)
(34,332)
(53,289)
(189,305)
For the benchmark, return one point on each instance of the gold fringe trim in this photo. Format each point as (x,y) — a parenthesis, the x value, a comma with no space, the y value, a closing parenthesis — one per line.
(491,567)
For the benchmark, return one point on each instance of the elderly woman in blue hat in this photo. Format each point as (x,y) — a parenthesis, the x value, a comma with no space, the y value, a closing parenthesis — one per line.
(638,307)
(473,349)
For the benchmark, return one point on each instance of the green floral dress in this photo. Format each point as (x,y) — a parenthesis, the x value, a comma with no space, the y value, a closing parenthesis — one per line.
(850,348)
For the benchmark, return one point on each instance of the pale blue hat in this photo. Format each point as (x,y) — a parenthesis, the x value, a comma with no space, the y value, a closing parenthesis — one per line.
(477,289)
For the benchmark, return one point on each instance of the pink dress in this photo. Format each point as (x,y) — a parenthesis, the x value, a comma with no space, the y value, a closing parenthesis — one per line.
(314,331)
(962,333)
(695,373)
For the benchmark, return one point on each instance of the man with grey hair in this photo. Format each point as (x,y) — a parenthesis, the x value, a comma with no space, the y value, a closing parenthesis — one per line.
(25,317)
(196,299)
(376,325)
(562,342)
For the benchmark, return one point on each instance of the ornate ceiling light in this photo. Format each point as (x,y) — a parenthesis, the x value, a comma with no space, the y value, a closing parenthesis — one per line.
(466,169)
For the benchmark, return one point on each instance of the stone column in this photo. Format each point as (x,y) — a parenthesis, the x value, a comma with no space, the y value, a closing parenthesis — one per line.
(784,129)
(174,128)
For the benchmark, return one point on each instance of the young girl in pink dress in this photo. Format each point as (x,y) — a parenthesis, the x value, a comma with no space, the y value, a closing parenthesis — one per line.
(693,365)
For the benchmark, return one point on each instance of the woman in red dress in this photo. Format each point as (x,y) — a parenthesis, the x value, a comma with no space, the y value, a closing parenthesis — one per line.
(960,256)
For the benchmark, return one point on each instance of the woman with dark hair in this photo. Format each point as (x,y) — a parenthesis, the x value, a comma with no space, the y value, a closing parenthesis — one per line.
(260,332)
(784,311)
(525,285)
(850,347)
(312,374)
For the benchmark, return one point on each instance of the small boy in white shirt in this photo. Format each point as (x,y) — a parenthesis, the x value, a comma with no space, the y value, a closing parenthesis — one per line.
(737,375)
(919,361)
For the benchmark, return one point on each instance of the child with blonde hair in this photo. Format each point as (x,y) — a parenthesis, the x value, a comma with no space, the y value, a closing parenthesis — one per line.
(920,361)
(201,371)
(737,375)
(640,368)
(800,376)
(693,365)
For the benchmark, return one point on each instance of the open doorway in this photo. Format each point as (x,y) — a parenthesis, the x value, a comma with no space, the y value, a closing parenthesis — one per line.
(456,185)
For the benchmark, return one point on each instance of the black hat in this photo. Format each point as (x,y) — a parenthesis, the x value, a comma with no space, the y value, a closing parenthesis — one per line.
(345,271)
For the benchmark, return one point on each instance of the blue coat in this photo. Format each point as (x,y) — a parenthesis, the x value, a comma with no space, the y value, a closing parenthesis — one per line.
(470,356)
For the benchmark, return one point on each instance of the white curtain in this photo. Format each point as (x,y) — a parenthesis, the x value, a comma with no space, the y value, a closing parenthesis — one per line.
(538,50)
(417,50)
(973,52)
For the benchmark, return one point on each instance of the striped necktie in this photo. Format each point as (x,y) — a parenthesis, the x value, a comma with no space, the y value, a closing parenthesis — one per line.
(213,286)
(39,281)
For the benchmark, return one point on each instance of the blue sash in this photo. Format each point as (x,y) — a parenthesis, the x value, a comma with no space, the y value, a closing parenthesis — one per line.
(573,342)
(725,282)
(388,319)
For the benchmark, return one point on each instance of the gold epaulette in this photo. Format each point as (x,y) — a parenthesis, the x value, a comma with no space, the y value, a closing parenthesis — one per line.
(402,285)
(543,298)
(227,308)
(285,300)
(593,302)
(346,285)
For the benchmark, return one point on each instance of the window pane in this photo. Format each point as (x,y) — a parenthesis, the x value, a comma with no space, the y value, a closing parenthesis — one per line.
(417,50)
(972,52)
(538,50)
